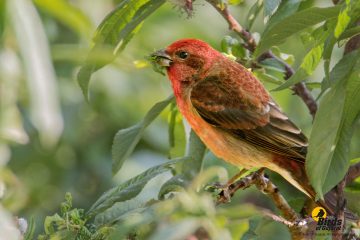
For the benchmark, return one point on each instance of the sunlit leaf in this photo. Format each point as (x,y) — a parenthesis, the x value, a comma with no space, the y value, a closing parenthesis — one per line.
(126,139)
(294,24)
(115,31)
(343,20)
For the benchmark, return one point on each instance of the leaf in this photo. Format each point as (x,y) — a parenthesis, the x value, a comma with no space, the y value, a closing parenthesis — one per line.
(178,230)
(270,6)
(307,67)
(232,46)
(333,126)
(350,33)
(341,70)
(191,166)
(115,31)
(126,139)
(294,24)
(286,8)
(175,184)
(50,221)
(117,211)
(128,189)
(194,159)
(177,137)
(2,18)
(68,14)
(264,77)
(29,234)
(253,12)
(273,64)
(343,20)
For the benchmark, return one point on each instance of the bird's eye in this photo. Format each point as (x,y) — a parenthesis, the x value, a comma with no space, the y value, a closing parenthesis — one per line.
(182,54)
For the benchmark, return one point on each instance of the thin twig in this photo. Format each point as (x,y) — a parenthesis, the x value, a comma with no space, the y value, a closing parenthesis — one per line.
(353,173)
(300,89)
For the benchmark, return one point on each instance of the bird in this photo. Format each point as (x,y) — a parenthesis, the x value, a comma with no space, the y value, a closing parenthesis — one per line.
(232,112)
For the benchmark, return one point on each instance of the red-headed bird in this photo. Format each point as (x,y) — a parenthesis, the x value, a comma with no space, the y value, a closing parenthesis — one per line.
(232,112)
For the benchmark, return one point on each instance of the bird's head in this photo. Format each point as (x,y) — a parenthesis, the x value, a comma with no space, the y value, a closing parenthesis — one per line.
(185,60)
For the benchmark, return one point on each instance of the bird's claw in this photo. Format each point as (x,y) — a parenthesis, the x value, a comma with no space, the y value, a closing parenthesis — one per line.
(221,191)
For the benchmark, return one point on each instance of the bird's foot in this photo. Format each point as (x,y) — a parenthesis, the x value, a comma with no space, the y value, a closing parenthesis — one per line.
(221,191)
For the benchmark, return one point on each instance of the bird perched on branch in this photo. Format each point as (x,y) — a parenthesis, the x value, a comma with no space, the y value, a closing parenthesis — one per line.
(232,112)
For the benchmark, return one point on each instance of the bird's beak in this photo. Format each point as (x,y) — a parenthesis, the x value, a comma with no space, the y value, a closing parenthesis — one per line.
(161,58)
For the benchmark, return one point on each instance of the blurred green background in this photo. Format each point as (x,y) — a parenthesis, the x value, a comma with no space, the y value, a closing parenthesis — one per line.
(52,141)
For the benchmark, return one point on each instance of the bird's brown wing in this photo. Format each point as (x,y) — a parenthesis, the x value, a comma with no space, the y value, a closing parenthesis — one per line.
(250,115)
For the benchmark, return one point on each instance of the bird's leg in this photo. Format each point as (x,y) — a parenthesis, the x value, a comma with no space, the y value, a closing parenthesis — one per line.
(236,177)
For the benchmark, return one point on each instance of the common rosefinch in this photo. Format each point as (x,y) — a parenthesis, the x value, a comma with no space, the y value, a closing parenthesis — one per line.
(232,113)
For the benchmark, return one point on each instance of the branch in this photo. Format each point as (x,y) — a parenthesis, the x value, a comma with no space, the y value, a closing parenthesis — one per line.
(296,225)
(300,89)
(353,173)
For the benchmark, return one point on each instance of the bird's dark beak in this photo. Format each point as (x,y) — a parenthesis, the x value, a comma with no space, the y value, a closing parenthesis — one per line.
(161,58)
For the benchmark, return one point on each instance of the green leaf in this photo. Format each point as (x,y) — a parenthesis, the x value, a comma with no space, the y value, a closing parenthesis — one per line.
(232,46)
(175,184)
(350,33)
(50,221)
(253,12)
(67,14)
(341,70)
(191,166)
(270,6)
(194,161)
(354,161)
(343,20)
(115,31)
(177,137)
(273,64)
(286,8)
(29,235)
(178,230)
(2,18)
(332,130)
(294,24)
(264,77)
(117,211)
(307,67)
(128,189)
(126,139)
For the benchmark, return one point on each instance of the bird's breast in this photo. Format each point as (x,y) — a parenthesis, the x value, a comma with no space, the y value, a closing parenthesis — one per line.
(221,143)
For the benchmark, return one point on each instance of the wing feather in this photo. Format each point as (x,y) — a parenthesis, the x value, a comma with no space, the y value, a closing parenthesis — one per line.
(250,115)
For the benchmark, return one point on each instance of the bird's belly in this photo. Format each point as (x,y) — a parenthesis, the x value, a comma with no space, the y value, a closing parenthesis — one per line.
(226,146)
(232,149)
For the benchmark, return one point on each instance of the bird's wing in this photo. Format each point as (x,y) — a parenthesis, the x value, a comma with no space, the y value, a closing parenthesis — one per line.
(235,101)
